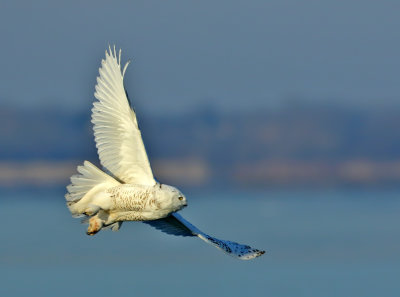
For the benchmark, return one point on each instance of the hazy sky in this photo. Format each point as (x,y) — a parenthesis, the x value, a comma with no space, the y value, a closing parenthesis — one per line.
(231,54)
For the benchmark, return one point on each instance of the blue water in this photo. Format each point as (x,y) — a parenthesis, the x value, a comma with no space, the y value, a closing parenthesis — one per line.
(319,243)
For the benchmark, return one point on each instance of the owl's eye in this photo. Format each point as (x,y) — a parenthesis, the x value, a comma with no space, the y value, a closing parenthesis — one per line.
(180,198)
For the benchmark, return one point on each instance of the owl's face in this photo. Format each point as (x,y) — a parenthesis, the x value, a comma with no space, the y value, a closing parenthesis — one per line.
(171,198)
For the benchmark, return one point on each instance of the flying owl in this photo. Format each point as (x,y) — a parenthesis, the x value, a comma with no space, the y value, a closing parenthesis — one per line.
(126,190)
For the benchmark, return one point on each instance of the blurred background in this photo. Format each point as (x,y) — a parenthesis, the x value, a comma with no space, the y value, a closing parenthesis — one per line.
(278,120)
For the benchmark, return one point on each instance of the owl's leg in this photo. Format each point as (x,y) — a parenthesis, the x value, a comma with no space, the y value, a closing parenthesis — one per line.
(91,210)
(95,225)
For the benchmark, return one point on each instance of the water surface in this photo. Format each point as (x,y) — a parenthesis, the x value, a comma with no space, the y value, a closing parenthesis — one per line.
(319,243)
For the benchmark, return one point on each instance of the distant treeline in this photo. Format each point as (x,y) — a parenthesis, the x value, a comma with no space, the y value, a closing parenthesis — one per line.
(301,133)
(225,142)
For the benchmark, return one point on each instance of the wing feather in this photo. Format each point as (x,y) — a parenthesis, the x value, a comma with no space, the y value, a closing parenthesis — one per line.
(171,225)
(118,138)
(175,224)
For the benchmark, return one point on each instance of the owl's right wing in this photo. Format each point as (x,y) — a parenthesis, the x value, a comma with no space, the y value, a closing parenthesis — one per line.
(175,224)
(118,139)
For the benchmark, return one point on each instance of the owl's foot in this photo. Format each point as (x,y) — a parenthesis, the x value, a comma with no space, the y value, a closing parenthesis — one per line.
(95,225)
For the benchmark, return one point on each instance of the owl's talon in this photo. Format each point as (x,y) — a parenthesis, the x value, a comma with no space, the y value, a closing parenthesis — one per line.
(95,225)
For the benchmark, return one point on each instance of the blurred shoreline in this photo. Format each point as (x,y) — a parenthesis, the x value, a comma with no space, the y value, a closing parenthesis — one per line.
(197,174)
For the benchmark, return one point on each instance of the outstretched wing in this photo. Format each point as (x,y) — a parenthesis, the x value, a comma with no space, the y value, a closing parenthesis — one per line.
(174,224)
(171,225)
(118,139)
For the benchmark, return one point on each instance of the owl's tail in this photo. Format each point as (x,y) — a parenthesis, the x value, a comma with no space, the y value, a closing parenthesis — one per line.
(86,195)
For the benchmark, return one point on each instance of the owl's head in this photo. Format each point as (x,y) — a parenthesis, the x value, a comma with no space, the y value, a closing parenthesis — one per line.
(171,198)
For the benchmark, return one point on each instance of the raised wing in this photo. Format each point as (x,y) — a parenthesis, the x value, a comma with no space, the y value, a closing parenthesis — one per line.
(118,139)
(174,224)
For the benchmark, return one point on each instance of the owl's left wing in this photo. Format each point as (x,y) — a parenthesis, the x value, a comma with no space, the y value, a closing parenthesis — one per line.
(175,224)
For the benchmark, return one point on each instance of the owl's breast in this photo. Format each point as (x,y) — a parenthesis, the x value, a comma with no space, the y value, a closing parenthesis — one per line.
(132,198)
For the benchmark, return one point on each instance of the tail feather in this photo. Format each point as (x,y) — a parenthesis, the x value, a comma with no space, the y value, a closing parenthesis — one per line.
(86,189)
(89,177)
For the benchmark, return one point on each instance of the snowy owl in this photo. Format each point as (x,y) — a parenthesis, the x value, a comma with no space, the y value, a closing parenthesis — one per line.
(126,190)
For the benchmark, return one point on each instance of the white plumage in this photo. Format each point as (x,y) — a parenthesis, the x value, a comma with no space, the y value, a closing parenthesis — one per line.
(127,190)
(118,138)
